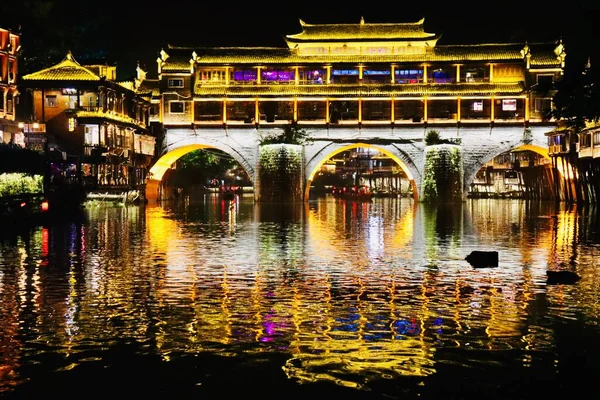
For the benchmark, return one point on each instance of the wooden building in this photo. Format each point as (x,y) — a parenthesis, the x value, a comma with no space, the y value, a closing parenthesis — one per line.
(97,128)
(360,74)
(10,46)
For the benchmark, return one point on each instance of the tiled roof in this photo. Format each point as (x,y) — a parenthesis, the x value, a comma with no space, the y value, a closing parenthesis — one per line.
(361,31)
(126,84)
(67,69)
(542,54)
(150,86)
(110,115)
(408,90)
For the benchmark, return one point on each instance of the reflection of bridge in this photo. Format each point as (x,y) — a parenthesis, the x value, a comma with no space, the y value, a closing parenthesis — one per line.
(405,145)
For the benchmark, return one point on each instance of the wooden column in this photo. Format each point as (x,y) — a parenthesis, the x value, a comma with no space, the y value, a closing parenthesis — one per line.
(256,113)
(295,109)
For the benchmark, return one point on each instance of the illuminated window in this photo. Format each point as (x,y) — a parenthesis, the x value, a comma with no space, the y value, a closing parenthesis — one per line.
(176,107)
(91,135)
(477,105)
(175,83)
(408,75)
(338,72)
(509,105)
(51,101)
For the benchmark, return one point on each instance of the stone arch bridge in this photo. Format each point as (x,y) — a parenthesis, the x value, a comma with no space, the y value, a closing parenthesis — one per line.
(405,145)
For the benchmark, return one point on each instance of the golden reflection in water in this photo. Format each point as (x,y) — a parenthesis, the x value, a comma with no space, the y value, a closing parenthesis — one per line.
(325,237)
(337,320)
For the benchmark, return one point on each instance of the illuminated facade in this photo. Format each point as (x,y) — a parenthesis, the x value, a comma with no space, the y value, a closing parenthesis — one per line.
(101,124)
(10,45)
(360,74)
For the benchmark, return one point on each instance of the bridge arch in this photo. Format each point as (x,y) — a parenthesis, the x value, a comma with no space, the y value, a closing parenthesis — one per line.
(313,164)
(163,164)
(494,152)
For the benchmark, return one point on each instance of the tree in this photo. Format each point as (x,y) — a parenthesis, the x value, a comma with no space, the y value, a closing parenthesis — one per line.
(291,134)
(577,100)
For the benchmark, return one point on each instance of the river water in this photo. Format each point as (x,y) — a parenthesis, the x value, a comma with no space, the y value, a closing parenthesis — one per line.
(206,298)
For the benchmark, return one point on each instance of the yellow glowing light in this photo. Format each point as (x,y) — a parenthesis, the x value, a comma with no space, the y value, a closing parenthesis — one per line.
(543,151)
(362,145)
(164,163)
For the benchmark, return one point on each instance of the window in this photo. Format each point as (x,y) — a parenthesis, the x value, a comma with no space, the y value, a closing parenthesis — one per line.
(509,105)
(91,136)
(176,107)
(477,105)
(339,72)
(175,83)
(543,105)
(51,101)
(545,80)
(408,75)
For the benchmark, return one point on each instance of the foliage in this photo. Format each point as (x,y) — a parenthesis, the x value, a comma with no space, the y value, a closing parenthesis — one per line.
(14,158)
(13,184)
(433,137)
(443,175)
(199,166)
(291,134)
(280,172)
(206,159)
(577,100)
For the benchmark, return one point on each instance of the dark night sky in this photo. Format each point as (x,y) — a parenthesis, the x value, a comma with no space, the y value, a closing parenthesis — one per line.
(125,33)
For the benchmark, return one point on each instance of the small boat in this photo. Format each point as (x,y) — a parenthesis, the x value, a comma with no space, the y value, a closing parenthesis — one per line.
(353,192)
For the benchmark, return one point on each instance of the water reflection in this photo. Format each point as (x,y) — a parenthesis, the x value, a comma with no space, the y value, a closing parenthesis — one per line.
(330,291)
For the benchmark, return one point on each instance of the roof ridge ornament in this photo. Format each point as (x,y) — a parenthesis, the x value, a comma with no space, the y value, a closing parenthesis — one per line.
(560,48)
(362,20)
(163,55)
(526,51)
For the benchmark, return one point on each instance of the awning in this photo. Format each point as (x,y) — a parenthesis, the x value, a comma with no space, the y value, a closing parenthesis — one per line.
(10,127)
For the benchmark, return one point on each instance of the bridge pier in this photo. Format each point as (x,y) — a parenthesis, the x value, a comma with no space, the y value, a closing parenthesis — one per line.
(280,173)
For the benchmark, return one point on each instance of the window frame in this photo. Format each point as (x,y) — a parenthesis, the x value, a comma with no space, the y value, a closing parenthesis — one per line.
(173,102)
(171,83)
(48,104)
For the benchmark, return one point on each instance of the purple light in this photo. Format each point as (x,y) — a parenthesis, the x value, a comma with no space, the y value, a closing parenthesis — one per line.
(275,75)
(244,75)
